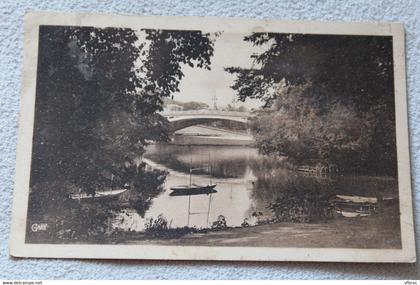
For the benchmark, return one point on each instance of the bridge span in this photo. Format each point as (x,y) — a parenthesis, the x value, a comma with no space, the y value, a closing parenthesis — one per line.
(183,119)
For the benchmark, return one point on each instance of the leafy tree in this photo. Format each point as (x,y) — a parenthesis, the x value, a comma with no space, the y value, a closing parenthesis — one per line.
(195,106)
(335,72)
(308,135)
(242,109)
(98,91)
(191,105)
(145,186)
(167,51)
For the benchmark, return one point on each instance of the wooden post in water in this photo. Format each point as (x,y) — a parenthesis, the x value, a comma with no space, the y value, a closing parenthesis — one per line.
(208,210)
(189,206)
(189,196)
(210,169)
(112,181)
(108,222)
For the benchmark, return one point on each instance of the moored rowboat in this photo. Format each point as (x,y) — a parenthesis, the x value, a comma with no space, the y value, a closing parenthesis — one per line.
(192,189)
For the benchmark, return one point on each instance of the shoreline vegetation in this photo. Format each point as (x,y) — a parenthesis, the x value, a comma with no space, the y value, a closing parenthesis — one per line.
(376,231)
(318,170)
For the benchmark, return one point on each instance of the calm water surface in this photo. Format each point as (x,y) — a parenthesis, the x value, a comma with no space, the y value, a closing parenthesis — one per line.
(250,188)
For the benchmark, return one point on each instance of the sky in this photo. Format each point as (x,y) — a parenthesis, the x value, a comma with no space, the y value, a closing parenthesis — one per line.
(201,84)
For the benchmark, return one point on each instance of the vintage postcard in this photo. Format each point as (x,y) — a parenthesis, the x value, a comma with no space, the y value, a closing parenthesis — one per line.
(212,139)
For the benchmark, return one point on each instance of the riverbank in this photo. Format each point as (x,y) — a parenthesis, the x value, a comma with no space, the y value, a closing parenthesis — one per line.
(362,232)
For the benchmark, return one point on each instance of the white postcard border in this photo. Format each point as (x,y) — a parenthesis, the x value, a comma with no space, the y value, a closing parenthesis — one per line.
(33,20)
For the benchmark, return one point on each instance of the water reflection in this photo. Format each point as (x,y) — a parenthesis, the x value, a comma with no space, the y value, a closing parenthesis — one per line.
(145,185)
(251,189)
(226,161)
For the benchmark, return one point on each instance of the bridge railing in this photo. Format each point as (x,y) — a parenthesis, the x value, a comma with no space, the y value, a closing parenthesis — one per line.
(205,112)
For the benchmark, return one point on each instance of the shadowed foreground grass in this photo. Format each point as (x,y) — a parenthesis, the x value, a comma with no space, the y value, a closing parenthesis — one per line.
(362,232)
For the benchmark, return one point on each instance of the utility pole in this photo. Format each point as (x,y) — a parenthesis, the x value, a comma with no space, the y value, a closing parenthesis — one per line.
(214,99)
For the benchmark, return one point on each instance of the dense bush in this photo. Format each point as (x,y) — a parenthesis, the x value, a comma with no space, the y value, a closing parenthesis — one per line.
(329,99)
(97,95)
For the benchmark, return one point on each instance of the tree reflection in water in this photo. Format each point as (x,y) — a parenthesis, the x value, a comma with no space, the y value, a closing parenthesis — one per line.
(290,196)
(144,186)
(182,158)
(265,189)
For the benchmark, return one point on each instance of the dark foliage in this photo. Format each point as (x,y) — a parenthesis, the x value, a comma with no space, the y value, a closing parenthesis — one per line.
(304,79)
(97,94)
(144,186)
(220,223)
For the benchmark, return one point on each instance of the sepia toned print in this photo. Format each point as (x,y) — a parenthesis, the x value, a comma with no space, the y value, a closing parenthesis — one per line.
(231,141)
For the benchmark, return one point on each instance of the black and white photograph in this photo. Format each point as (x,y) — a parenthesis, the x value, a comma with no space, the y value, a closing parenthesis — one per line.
(194,136)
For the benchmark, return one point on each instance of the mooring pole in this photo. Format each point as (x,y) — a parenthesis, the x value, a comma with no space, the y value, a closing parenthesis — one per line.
(209,170)
(190,170)
(208,210)
(189,205)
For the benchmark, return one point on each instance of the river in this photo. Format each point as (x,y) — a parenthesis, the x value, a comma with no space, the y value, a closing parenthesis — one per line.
(251,189)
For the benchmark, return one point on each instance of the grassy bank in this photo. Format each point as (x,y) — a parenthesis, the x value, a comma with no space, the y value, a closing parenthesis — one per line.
(362,232)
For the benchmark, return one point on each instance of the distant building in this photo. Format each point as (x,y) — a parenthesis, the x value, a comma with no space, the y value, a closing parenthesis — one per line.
(173,107)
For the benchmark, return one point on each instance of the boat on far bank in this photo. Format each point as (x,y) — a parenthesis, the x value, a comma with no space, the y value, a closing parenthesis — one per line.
(99,195)
(355,206)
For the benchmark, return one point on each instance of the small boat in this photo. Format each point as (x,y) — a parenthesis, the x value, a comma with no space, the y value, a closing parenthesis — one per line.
(194,189)
(357,199)
(355,206)
(348,214)
(109,194)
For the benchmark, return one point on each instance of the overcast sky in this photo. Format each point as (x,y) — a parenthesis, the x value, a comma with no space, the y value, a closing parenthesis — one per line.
(201,84)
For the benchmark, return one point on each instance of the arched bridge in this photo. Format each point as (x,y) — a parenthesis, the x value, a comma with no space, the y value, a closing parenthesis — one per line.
(183,119)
